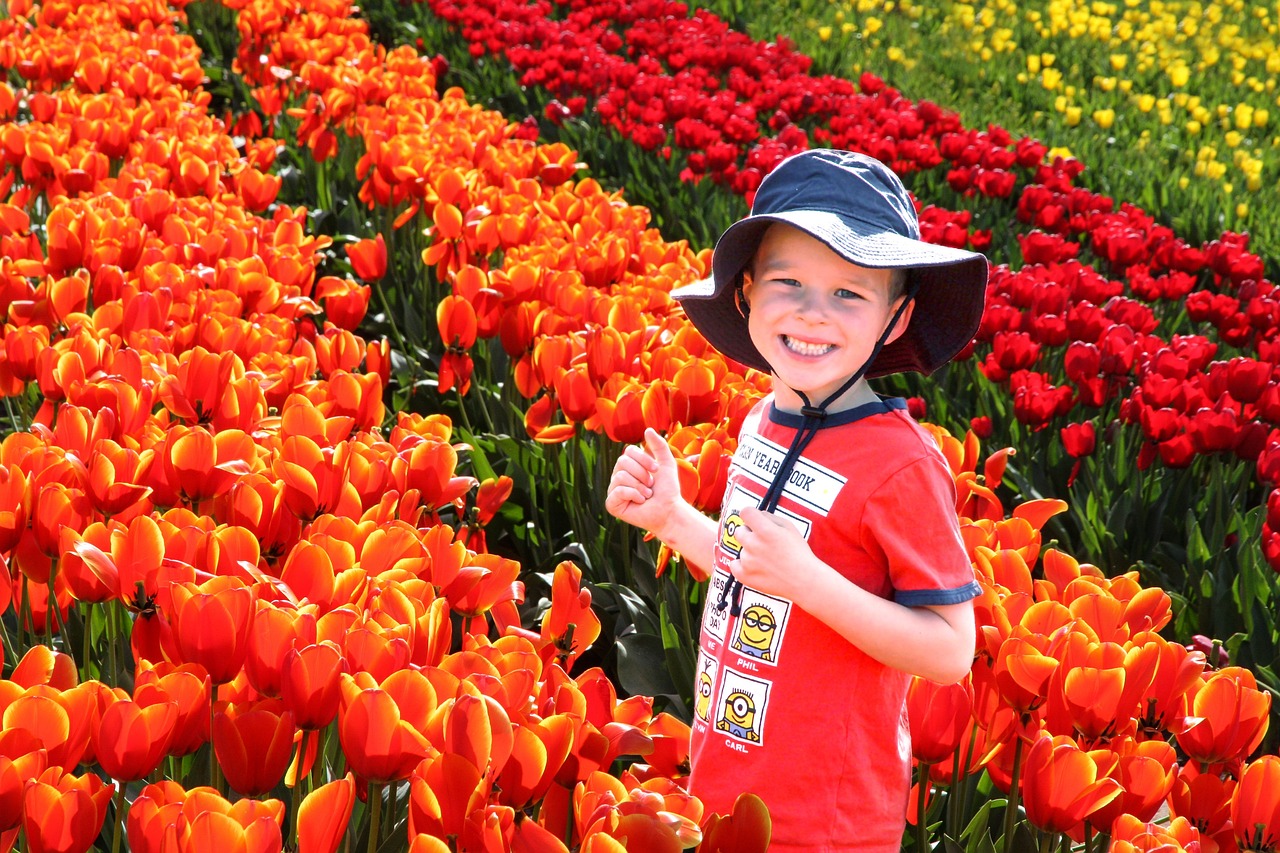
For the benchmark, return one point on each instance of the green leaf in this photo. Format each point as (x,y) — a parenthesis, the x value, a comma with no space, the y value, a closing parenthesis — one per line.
(642,665)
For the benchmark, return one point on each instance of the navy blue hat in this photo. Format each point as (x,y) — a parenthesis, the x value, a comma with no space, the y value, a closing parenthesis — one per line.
(859,208)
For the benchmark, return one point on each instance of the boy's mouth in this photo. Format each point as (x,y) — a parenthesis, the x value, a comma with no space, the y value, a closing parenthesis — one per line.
(805,348)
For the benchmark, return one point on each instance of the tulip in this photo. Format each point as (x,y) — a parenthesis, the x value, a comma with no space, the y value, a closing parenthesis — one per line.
(276,632)
(188,687)
(213,623)
(379,744)
(131,740)
(15,773)
(744,830)
(1062,785)
(253,745)
(64,813)
(1255,809)
(1234,717)
(324,814)
(940,716)
(311,684)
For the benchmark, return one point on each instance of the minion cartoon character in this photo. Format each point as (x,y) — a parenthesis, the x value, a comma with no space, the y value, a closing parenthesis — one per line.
(739,718)
(705,687)
(756,632)
(729,533)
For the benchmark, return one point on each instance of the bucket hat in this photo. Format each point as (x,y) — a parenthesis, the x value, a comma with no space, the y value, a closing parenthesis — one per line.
(858,208)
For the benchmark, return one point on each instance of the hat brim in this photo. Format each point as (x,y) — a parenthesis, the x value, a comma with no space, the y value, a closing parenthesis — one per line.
(950,289)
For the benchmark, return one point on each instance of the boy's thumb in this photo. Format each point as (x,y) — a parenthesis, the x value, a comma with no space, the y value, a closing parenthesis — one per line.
(657,444)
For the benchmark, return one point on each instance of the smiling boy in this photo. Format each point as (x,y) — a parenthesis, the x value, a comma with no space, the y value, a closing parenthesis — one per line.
(838,570)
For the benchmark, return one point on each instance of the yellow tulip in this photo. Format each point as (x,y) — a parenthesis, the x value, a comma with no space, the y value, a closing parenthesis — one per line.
(1242,210)
(1072,117)
(1119,61)
(1104,118)
(1146,102)
(1193,127)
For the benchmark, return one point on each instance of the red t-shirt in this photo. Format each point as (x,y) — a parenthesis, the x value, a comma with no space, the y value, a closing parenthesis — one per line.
(784,706)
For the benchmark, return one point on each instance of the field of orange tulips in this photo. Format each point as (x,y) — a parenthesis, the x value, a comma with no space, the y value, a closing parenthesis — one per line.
(314,369)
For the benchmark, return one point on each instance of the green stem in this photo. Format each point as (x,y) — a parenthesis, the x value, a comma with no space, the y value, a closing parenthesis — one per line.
(215,770)
(1011,806)
(375,810)
(88,632)
(297,801)
(115,830)
(111,643)
(921,837)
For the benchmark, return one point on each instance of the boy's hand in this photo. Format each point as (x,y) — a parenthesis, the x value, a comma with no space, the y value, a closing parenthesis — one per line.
(645,487)
(771,549)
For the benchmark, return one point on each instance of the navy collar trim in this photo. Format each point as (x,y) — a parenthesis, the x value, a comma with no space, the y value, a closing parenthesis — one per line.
(848,416)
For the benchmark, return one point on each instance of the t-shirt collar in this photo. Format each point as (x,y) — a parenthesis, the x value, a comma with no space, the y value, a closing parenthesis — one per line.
(848,416)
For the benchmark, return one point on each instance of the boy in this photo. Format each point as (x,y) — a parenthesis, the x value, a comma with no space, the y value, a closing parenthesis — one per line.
(838,570)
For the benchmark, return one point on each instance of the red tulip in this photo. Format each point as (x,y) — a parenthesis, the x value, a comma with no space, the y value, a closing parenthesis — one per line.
(940,715)
(212,623)
(254,745)
(311,684)
(368,258)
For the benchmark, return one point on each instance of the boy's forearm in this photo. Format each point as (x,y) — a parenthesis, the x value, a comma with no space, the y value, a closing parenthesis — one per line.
(691,533)
(936,643)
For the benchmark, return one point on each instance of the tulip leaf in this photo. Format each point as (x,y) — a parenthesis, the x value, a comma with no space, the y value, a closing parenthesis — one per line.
(642,665)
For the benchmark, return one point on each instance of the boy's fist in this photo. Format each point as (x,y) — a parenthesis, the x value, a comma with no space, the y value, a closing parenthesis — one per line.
(645,486)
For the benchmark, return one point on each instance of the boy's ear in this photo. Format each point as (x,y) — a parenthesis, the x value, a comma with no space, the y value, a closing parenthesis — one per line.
(904,320)
(744,287)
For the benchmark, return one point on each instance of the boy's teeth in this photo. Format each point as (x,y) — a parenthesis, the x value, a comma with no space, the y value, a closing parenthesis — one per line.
(806,348)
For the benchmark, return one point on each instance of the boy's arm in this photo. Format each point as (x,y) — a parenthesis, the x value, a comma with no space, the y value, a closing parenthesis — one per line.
(934,642)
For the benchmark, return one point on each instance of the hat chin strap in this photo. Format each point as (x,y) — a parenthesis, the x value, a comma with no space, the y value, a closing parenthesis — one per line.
(813,418)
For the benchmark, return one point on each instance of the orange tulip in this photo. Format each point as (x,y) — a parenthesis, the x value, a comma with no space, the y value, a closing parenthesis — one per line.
(1062,785)
(1234,717)
(189,688)
(1255,809)
(64,813)
(16,772)
(131,740)
(1146,771)
(212,623)
(324,815)
(59,721)
(745,830)
(1131,835)
(277,630)
(210,824)
(570,626)
(254,745)
(379,744)
(444,791)
(151,826)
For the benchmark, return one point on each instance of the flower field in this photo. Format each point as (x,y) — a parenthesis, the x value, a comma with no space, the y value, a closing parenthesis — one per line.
(314,369)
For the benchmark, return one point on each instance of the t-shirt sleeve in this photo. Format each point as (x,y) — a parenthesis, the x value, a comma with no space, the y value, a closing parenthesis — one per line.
(910,521)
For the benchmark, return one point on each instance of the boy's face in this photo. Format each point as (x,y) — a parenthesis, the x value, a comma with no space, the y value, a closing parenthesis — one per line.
(815,317)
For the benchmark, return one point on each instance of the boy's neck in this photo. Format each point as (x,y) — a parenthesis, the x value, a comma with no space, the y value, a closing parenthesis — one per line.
(787,400)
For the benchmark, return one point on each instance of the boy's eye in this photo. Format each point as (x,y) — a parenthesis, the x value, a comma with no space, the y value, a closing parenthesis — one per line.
(843,293)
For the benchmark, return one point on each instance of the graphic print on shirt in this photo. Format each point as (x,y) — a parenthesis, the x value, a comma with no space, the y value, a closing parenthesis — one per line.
(740,710)
(705,687)
(759,631)
(810,485)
